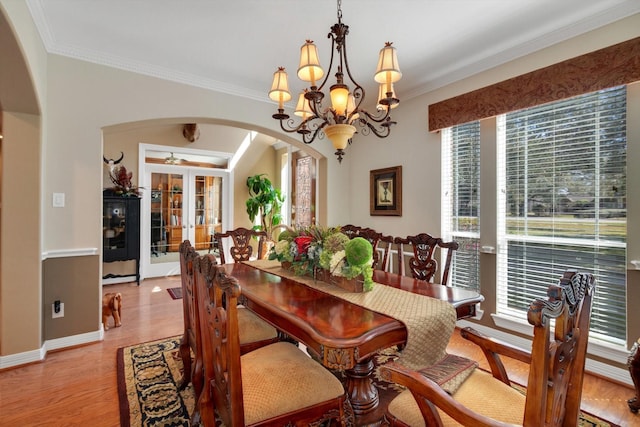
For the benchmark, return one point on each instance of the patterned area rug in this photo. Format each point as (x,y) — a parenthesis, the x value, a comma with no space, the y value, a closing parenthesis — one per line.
(149,374)
(148,378)
(176,293)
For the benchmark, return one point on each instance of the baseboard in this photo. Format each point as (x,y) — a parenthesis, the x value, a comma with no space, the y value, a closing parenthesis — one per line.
(597,368)
(74,340)
(39,355)
(23,358)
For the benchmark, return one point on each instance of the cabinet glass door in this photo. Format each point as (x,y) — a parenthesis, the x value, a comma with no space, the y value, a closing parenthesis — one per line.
(113,226)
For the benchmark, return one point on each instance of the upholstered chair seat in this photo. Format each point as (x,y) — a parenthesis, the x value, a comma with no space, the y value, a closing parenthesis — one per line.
(480,393)
(270,390)
(252,329)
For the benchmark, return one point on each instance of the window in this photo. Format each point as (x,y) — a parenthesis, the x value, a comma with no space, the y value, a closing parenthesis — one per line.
(461,201)
(562,203)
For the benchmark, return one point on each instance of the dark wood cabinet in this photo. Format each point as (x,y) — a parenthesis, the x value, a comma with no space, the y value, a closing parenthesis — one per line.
(121,231)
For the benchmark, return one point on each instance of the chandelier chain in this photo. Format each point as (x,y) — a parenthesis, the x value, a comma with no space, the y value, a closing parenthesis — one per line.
(339,11)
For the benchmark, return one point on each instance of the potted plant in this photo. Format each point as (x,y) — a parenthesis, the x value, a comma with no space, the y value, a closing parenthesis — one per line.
(266,201)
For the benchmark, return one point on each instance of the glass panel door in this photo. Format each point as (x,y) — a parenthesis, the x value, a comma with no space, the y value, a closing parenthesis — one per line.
(166,226)
(207,213)
(182,203)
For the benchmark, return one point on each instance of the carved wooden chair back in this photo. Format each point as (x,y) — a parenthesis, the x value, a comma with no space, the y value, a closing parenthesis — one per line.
(449,248)
(350,230)
(253,332)
(191,338)
(558,356)
(205,269)
(423,265)
(554,388)
(255,389)
(375,238)
(385,263)
(240,243)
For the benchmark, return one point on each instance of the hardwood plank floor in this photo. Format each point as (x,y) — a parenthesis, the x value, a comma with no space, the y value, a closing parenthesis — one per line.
(77,387)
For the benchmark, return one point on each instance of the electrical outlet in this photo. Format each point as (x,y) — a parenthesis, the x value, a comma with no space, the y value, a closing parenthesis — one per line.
(57,310)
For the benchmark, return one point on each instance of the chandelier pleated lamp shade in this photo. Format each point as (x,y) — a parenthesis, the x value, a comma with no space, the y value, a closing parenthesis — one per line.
(280,87)
(309,69)
(388,70)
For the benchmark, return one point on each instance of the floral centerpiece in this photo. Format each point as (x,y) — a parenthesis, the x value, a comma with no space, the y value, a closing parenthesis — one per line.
(325,253)
(122,181)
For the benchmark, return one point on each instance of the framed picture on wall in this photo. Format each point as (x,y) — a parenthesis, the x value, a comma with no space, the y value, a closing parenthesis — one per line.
(386,191)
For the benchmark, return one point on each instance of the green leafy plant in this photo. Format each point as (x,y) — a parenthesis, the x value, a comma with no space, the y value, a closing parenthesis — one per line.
(264,200)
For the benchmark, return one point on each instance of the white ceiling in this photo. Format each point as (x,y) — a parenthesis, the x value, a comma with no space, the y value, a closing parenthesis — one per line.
(235,46)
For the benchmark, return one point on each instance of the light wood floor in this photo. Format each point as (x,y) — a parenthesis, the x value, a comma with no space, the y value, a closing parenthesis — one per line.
(77,387)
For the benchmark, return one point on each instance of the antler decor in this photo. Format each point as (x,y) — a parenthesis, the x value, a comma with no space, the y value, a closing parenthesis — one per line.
(112,162)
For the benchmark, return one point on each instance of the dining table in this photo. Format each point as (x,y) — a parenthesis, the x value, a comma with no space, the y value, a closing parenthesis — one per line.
(345,330)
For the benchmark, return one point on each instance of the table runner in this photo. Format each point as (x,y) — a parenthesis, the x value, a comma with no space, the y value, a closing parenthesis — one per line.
(429,321)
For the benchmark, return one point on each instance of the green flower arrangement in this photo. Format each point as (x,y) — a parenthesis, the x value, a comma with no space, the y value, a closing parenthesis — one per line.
(308,249)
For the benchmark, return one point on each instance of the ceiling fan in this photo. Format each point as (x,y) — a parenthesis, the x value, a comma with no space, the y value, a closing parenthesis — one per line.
(172,160)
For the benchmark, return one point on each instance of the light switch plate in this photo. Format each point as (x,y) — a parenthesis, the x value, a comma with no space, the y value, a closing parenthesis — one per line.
(58,200)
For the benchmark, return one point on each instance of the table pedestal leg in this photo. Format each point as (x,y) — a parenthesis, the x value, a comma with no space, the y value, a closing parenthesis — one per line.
(362,393)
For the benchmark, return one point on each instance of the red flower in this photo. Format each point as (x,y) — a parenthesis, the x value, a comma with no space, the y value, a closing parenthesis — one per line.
(303,243)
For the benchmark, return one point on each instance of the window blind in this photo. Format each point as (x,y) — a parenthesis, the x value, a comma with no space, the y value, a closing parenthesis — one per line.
(562,171)
(461,201)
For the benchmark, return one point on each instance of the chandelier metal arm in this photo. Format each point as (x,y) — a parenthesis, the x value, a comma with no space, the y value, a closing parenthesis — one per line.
(377,118)
(316,105)
(302,128)
(309,139)
(328,74)
(343,56)
(380,133)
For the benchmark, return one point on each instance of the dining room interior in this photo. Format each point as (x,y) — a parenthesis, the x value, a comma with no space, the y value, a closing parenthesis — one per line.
(478,172)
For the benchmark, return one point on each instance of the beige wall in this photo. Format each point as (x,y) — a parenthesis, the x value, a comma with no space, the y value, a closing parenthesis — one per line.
(83,99)
(20,276)
(21,93)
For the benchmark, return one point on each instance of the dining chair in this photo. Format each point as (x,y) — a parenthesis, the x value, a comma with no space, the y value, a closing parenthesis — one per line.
(376,239)
(275,385)
(191,337)
(239,240)
(254,332)
(556,371)
(423,264)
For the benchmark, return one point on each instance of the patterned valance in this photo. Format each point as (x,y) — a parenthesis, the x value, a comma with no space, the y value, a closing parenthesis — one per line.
(612,66)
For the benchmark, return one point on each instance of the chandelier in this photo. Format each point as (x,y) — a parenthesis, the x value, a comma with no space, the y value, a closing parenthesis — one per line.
(340,120)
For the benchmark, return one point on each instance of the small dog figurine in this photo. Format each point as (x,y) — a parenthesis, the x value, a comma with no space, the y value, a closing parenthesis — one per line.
(111,306)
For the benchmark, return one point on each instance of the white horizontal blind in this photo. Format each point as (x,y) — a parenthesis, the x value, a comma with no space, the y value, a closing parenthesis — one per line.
(461,201)
(563,204)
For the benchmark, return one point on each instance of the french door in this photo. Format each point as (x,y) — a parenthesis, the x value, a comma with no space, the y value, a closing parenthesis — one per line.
(183,203)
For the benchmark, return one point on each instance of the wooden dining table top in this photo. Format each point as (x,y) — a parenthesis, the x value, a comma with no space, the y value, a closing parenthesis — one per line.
(463,300)
(340,333)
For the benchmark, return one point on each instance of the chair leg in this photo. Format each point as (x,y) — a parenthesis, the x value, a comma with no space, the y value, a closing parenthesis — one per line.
(185,355)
